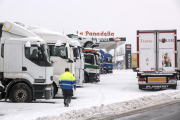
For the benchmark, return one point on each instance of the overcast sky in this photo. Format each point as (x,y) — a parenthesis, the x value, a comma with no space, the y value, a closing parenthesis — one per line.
(123,17)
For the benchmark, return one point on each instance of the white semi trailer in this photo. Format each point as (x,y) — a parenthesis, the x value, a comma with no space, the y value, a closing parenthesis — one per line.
(25,67)
(61,54)
(157,59)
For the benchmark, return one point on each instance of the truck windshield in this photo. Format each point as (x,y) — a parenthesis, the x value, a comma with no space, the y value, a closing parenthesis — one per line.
(38,55)
(72,36)
(109,59)
(89,59)
(58,51)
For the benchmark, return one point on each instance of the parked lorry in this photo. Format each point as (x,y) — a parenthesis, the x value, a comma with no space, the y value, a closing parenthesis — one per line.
(79,64)
(25,67)
(91,65)
(106,62)
(85,41)
(178,59)
(61,52)
(134,61)
(157,59)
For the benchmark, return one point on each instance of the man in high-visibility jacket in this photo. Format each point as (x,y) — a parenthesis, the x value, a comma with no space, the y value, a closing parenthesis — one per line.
(67,83)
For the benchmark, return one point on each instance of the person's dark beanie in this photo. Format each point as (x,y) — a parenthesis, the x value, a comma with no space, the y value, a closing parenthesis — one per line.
(67,70)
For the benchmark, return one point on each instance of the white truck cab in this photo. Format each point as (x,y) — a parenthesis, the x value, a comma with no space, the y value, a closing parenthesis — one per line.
(61,52)
(25,67)
(79,64)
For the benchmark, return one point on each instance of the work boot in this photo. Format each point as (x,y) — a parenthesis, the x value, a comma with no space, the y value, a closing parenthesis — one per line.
(67,103)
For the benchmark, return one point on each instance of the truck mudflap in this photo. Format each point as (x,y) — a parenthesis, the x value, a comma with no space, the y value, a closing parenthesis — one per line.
(157,86)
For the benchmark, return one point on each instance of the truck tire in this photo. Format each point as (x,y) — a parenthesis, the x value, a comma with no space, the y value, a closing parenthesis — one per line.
(174,87)
(55,89)
(105,71)
(140,87)
(88,44)
(20,92)
(85,79)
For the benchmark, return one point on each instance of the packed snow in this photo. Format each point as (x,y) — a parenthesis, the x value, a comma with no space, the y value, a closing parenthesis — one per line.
(115,93)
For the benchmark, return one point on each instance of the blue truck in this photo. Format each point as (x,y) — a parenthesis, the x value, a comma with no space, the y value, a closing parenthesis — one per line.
(106,63)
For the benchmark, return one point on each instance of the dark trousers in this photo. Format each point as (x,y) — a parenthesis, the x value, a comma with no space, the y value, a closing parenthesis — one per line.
(67,93)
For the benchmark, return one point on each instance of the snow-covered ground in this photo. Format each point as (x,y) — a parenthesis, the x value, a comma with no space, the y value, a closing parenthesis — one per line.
(113,90)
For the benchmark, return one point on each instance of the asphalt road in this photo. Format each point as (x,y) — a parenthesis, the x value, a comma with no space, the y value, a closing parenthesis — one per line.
(170,112)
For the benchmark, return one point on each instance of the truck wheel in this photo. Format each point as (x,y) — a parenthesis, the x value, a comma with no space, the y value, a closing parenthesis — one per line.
(105,71)
(140,87)
(88,44)
(55,89)
(85,79)
(174,87)
(20,92)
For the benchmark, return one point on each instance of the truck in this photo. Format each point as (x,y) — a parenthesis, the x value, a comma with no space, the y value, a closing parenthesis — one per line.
(61,53)
(91,65)
(178,59)
(79,64)
(134,61)
(106,62)
(157,59)
(85,41)
(25,67)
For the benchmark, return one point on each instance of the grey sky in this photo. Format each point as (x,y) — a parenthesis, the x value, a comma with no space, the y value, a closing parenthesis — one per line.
(123,17)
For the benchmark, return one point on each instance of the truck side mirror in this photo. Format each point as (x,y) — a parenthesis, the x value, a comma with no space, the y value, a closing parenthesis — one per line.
(28,44)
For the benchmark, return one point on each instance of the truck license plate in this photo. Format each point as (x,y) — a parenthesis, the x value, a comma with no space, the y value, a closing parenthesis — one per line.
(157,79)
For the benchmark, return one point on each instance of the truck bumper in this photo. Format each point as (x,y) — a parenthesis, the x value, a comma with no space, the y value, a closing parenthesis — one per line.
(2,94)
(93,77)
(49,92)
(43,91)
(157,80)
(110,70)
(157,86)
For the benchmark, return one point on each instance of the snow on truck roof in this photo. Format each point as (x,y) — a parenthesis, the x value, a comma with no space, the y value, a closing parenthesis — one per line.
(49,35)
(18,29)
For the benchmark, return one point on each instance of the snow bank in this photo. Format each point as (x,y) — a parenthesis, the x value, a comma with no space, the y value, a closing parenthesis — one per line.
(115,108)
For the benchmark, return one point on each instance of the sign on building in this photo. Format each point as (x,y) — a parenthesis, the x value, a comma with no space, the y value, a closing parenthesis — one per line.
(128,55)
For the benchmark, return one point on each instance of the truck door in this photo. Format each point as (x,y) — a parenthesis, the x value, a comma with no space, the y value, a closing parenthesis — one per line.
(146,46)
(34,63)
(77,64)
(167,48)
(12,60)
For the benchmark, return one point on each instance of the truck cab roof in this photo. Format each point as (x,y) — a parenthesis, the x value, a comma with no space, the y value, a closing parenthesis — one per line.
(12,31)
(51,36)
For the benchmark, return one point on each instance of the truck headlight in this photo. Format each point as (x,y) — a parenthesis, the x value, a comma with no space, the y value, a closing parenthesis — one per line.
(48,88)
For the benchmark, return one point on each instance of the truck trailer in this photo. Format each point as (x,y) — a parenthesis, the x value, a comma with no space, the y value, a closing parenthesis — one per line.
(157,59)
(25,67)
